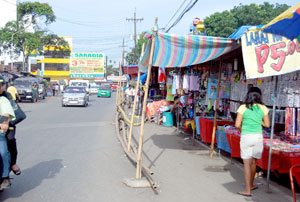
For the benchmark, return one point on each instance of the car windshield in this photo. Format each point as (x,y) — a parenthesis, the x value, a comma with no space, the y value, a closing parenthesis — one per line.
(78,84)
(95,87)
(75,90)
(22,83)
(104,88)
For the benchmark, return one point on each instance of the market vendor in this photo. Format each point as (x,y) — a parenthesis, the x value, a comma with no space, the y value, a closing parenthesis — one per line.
(174,107)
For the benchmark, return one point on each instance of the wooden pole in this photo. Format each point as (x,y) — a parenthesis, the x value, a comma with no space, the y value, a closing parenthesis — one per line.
(119,86)
(139,157)
(134,104)
(216,112)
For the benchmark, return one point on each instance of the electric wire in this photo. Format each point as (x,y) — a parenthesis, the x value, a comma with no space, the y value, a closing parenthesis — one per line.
(187,9)
(175,13)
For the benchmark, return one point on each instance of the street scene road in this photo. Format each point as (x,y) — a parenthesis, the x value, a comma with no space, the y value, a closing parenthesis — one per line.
(69,154)
(144,101)
(72,154)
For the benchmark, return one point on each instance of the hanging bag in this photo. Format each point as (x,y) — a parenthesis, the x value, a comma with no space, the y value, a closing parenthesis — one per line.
(19,114)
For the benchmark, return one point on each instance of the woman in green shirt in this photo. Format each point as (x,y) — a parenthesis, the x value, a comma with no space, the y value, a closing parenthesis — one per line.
(251,117)
(35,92)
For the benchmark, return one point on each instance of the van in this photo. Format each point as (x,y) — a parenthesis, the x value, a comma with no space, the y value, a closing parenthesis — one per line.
(24,87)
(84,83)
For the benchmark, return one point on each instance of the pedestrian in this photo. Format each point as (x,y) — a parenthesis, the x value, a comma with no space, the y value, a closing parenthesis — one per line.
(49,91)
(6,113)
(61,86)
(251,118)
(13,91)
(11,136)
(56,88)
(174,110)
(129,92)
(53,89)
(35,92)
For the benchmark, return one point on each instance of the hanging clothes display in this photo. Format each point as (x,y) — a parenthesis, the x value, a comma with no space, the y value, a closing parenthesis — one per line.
(174,85)
(186,82)
(162,75)
(194,84)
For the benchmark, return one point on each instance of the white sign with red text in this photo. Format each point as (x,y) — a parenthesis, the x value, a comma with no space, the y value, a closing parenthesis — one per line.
(269,55)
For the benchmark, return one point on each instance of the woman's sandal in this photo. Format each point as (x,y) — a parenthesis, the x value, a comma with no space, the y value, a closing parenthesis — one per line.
(244,194)
(17,172)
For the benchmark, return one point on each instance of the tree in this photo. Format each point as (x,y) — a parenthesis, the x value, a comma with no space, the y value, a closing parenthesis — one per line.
(130,59)
(16,40)
(110,68)
(225,23)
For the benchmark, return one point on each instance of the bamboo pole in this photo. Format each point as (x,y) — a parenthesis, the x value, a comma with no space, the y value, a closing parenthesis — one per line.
(119,85)
(140,150)
(134,104)
(216,112)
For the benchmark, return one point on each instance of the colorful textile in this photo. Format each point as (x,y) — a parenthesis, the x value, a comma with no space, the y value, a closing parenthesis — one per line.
(286,24)
(152,108)
(162,75)
(185,50)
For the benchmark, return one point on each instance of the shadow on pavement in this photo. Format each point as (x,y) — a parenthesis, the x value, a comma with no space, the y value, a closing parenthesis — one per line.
(175,141)
(31,178)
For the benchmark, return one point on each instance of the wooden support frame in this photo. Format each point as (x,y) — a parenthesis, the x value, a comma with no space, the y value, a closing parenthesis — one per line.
(134,105)
(140,150)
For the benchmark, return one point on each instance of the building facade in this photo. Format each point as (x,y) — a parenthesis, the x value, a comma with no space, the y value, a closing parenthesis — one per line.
(56,65)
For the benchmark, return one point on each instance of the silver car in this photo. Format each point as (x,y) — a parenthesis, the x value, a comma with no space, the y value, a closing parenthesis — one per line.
(75,96)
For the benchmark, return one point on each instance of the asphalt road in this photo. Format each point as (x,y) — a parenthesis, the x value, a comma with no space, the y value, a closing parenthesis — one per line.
(71,154)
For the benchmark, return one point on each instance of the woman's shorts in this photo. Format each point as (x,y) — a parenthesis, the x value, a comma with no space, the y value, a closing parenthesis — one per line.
(252,146)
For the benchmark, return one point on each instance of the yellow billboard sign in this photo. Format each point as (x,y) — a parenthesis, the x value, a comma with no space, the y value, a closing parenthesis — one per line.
(269,55)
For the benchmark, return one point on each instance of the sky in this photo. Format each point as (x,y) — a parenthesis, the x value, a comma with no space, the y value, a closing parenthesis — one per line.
(100,25)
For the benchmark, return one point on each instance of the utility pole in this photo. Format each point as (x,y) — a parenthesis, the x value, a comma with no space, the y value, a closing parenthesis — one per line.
(123,52)
(134,19)
(105,71)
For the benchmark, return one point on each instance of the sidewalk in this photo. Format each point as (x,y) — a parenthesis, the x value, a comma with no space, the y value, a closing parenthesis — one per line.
(184,171)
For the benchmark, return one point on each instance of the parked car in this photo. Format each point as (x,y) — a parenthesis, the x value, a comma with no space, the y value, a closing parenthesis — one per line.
(24,87)
(114,87)
(104,91)
(75,96)
(94,89)
(42,91)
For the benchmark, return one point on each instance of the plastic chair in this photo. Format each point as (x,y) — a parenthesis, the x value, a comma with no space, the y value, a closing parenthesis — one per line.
(293,170)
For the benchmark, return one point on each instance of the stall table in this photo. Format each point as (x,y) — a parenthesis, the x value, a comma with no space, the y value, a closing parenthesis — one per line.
(206,128)
(281,162)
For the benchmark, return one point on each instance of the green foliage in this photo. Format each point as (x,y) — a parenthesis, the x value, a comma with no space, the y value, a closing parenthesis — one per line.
(15,40)
(35,10)
(225,23)
(130,59)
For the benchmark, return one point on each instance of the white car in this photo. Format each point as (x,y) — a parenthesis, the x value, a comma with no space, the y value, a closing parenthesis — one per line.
(75,96)
(94,89)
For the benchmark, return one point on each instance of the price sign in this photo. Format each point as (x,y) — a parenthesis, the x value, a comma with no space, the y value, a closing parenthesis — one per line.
(268,54)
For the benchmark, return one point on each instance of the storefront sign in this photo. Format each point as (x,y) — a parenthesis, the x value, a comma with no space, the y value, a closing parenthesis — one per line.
(268,55)
(116,78)
(86,65)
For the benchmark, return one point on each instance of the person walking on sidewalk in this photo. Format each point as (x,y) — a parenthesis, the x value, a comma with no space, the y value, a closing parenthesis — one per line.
(251,117)
(6,113)
(13,91)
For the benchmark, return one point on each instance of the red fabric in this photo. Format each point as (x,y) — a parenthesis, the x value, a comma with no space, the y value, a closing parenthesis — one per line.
(206,128)
(281,161)
(234,142)
(162,76)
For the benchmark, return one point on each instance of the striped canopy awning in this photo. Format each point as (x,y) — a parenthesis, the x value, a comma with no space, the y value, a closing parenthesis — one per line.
(185,50)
